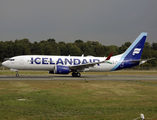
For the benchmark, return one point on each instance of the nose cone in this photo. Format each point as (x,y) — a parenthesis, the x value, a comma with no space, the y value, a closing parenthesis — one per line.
(4,63)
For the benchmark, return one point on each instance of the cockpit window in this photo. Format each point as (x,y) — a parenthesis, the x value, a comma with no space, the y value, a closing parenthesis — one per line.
(12,59)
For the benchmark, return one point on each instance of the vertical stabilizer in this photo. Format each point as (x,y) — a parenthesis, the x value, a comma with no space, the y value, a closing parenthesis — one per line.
(134,52)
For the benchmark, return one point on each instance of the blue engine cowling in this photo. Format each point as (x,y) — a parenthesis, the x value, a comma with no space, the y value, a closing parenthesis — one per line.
(60,70)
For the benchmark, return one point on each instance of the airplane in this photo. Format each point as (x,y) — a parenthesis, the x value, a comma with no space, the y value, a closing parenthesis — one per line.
(76,64)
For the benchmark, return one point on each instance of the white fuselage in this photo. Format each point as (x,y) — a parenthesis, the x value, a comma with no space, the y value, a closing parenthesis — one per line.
(48,63)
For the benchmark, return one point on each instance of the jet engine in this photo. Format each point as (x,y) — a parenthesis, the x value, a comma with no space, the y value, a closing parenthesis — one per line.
(60,70)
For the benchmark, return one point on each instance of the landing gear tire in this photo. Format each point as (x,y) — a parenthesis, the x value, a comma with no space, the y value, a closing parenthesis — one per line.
(76,74)
(17,75)
(73,74)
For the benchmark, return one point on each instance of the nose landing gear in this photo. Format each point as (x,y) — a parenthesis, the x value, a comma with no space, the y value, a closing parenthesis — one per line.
(15,70)
(17,75)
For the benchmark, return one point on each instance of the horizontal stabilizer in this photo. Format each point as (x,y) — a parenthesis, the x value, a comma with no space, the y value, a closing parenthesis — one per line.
(142,60)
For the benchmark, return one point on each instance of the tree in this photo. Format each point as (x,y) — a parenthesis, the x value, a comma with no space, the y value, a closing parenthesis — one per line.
(24,46)
(73,50)
(124,47)
(49,47)
(154,46)
(63,48)
(35,49)
(147,51)
(2,51)
(110,49)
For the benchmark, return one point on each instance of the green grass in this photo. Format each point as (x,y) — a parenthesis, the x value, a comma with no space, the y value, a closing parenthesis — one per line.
(77,100)
(120,72)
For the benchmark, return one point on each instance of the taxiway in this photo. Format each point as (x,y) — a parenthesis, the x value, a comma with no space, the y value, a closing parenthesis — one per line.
(84,77)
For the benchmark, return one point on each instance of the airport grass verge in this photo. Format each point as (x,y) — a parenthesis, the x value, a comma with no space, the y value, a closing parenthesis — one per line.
(120,72)
(77,100)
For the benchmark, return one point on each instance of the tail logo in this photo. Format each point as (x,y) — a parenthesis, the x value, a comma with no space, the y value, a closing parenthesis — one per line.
(136,51)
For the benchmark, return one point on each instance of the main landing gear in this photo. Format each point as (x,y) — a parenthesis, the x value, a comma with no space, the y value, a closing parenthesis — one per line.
(76,74)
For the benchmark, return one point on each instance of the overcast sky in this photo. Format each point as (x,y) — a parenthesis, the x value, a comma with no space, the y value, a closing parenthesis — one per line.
(111,22)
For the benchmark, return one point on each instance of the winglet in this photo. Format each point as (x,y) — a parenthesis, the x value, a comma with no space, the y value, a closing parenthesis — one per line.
(109,56)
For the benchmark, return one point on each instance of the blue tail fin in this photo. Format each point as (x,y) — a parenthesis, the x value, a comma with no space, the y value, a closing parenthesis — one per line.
(134,52)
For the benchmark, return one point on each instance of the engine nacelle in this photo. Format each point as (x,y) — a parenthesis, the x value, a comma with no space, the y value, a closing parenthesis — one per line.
(60,70)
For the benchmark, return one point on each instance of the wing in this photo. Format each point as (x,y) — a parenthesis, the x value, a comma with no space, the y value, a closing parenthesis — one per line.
(83,66)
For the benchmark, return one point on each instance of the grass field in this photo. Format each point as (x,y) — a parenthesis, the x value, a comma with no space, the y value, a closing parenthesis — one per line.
(78,100)
(120,72)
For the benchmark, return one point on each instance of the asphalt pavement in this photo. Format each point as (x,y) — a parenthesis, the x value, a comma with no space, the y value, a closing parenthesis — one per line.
(84,77)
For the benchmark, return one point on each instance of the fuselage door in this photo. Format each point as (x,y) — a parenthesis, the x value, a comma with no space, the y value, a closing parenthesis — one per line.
(21,61)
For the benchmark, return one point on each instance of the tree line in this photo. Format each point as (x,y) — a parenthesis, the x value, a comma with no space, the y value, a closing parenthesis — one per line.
(51,47)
